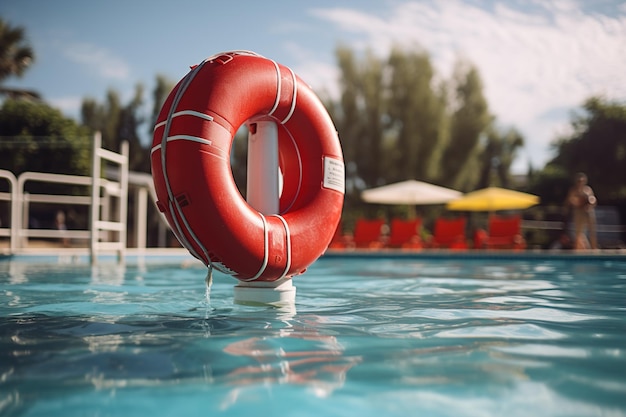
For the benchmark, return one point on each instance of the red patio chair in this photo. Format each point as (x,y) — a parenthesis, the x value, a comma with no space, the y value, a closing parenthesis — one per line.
(504,233)
(405,234)
(449,233)
(368,233)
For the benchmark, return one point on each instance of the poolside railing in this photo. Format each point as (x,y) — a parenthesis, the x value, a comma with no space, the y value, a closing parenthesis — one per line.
(11,198)
(107,226)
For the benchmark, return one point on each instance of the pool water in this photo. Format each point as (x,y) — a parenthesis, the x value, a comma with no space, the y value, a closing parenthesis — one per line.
(368,336)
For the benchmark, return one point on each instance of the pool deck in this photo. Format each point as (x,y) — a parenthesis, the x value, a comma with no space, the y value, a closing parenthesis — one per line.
(482,254)
(80,255)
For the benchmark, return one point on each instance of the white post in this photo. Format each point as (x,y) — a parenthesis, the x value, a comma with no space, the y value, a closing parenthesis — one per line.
(263,183)
(15,202)
(94,215)
(263,193)
(25,219)
(141,215)
(123,199)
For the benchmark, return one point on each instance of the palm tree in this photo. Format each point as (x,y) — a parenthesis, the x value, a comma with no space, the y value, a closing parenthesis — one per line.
(16,56)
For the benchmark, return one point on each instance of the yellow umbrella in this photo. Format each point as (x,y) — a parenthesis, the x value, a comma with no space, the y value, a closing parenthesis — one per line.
(493,199)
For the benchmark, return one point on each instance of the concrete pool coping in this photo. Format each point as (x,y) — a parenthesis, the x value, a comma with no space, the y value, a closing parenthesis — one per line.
(181,255)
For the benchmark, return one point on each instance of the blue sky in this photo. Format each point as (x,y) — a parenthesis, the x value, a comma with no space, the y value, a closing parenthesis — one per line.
(539,59)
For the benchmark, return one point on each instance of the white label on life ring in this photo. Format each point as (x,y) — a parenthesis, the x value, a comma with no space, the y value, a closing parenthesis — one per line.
(334,174)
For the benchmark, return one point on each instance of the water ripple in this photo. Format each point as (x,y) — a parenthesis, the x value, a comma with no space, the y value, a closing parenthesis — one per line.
(366,337)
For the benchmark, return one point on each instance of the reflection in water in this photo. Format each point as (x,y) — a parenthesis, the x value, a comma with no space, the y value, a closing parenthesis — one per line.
(48,353)
(108,274)
(307,358)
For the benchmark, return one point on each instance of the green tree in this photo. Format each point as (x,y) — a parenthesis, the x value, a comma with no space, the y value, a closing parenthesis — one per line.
(117,123)
(128,129)
(347,117)
(104,118)
(16,56)
(497,156)
(469,122)
(161,90)
(596,146)
(397,119)
(374,110)
(551,184)
(350,116)
(417,112)
(396,122)
(391,120)
(37,137)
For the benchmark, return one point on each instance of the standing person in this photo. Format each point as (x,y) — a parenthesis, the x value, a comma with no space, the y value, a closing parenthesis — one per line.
(582,202)
(59,222)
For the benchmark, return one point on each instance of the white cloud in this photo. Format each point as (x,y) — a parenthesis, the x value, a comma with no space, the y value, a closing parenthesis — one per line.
(321,76)
(533,60)
(99,61)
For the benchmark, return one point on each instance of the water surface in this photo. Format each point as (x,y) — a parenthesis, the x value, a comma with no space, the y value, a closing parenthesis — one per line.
(368,336)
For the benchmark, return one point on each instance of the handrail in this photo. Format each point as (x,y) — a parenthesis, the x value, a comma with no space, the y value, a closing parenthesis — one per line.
(23,199)
(19,232)
(558,225)
(102,189)
(12,232)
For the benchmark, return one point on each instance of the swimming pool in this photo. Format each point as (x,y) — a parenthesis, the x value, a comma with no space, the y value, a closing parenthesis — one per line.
(369,336)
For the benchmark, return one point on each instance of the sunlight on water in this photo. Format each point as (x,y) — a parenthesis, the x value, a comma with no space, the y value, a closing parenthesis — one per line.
(368,337)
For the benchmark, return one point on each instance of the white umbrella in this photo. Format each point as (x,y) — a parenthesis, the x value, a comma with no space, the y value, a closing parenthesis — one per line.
(410,192)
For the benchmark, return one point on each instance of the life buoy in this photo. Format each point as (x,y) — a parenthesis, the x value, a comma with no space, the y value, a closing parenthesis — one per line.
(193,178)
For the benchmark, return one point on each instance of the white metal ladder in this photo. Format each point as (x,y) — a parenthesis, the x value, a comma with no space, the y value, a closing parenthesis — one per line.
(98,219)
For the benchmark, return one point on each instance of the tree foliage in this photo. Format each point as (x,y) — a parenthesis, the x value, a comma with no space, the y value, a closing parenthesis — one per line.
(118,122)
(469,120)
(37,137)
(350,118)
(159,95)
(498,154)
(396,120)
(16,56)
(596,146)
(417,117)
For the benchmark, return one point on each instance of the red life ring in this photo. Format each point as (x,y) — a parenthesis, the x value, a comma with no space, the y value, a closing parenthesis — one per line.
(193,179)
